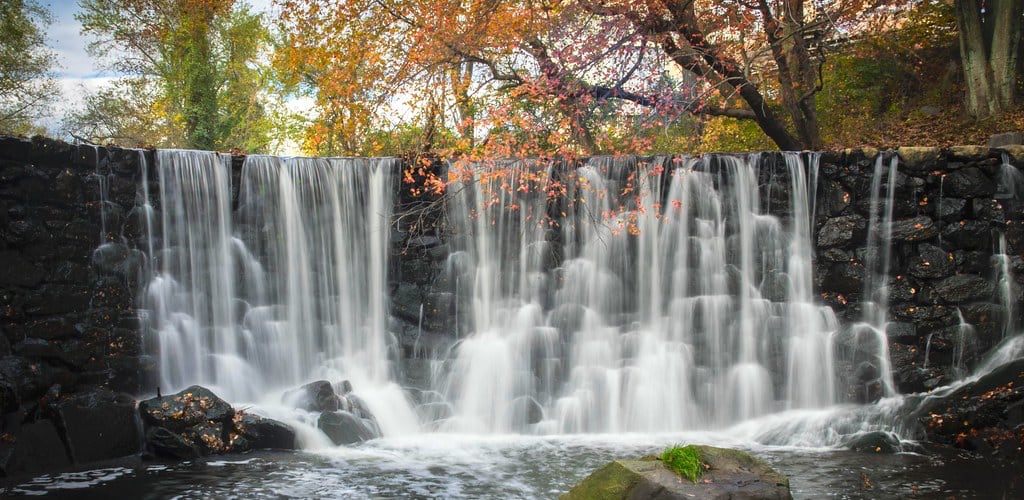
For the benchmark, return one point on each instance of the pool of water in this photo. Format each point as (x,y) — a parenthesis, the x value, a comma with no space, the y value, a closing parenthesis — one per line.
(460,466)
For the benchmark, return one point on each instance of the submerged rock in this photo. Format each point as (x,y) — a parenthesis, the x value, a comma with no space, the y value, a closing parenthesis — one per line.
(347,428)
(728,474)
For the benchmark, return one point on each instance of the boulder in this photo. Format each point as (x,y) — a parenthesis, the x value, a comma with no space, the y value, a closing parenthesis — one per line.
(264,433)
(36,447)
(99,425)
(169,444)
(314,396)
(729,474)
(345,428)
(873,442)
(192,406)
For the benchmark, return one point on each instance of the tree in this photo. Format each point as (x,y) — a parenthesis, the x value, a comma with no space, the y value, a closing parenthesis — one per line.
(990,37)
(196,64)
(589,66)
(26,85)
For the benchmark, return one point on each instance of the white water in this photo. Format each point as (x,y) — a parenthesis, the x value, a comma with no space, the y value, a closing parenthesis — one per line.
(659,319)
(289,289)
(683,305)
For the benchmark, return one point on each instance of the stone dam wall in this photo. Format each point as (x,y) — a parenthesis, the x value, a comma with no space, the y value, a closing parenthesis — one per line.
(72,255)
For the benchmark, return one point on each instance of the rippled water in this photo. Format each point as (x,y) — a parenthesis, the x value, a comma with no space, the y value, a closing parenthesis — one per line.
(459,466)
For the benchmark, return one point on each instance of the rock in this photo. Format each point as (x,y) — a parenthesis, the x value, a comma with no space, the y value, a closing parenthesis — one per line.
(344,427)
(207,438)
(968,153)
(967,235)
(1005,139)
(99,425)
(931,262)
(918,158)
(986,415)
(918,228)
(185,409)
(18,271)
(841,231)
(963,288)
(873,442)
(165,443)
(950,209)
(968,182)
(36,447)
(845,277)
(729,474)
(1016,151)
(265,433)
(526,411)
(314,396)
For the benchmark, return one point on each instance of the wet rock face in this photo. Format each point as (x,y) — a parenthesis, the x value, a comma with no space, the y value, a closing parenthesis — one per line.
(985,416)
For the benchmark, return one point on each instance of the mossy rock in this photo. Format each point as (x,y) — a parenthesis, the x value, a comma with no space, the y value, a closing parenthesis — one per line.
(918,158)
(729,474)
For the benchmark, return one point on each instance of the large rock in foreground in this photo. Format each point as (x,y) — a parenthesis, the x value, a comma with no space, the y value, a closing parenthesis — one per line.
(729,474)
(195,423)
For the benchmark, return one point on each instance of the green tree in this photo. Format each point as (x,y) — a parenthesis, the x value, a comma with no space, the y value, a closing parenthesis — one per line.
(196,65)
(26,85)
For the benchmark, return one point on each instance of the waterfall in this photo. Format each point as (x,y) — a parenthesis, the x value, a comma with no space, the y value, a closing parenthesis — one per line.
(677,301)
(288,288)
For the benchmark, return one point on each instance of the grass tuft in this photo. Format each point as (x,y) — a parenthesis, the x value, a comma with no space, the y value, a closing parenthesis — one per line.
(684,460)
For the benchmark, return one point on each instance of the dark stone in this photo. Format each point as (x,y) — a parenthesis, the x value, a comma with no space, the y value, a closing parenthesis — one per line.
(185,409)
(18,271)
(837,255)
(314,396)
(963,288)
(266,433)
(916,229)
(845,277)
(841,231)
(950,209)
(344,427)
(968,182)
(37,447)
(30,379)
(207,438)
(931,262)
(983,416)
(904,333)
(834,198)
(873,442)
(99,424)
(165,443)
(967,235)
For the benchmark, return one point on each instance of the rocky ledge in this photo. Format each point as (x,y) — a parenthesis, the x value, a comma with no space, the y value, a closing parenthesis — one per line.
(728,474)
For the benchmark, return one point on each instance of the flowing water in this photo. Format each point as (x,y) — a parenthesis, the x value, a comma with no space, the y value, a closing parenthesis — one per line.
(604,311)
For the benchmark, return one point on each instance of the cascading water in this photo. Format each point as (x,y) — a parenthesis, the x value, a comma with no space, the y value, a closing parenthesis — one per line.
(289,288)
(876,266)
(685,306)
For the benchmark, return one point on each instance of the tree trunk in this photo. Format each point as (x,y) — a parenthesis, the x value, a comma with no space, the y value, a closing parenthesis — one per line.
(989,45)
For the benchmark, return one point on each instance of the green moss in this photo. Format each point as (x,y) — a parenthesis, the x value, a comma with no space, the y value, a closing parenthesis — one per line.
(685,461)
